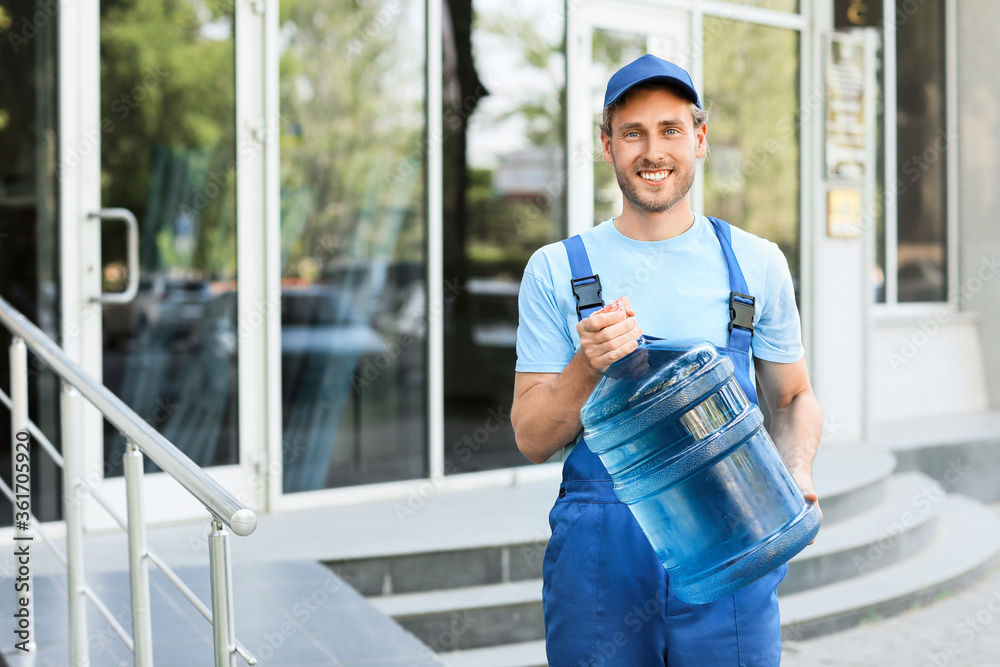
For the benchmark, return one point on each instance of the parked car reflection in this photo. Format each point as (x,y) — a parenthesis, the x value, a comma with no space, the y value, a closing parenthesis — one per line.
(166,307)
(324,336)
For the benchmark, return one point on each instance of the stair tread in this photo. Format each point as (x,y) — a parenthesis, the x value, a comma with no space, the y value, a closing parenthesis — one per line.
(523,654)
(936,430)
(866,528)
(842,468)
(911,499)
(472,597)
(968,538)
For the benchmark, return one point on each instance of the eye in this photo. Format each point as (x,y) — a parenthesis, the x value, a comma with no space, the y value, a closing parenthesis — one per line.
(673,131)
(632,135)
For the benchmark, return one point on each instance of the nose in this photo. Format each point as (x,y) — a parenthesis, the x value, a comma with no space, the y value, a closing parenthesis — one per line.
(656,148)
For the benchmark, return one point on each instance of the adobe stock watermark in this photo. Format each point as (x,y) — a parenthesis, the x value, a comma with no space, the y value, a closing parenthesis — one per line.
(454,116)
(121,108)
(448,639)
(297,615)
(372,367)
(29,27)
(606,651)
(218,181)
(386,16)
(929,327)
(924,503)
(462,451)
(554,188)
(967,630)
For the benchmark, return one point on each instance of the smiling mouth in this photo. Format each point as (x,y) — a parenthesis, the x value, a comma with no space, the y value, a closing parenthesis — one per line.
(654,176)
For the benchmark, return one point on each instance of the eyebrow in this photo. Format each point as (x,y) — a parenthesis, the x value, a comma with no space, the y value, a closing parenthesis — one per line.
(672,122)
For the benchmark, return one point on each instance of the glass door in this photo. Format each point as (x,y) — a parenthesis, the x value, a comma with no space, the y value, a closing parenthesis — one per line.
(353,257)
(602,38)
(152,156)
(752,175)
(29,238)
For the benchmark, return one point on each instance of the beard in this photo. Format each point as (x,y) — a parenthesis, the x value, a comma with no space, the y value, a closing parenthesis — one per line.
(655,202)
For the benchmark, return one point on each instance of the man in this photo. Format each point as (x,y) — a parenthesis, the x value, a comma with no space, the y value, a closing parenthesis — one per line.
(607,597)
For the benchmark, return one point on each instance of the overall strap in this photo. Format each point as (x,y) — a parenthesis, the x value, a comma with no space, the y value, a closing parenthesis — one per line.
(741,304)
(585,283)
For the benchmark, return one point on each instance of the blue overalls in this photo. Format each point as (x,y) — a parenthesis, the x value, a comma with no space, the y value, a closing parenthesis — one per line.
(606,595)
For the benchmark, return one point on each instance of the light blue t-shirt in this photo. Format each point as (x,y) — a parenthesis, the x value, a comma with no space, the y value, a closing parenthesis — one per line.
(678,287)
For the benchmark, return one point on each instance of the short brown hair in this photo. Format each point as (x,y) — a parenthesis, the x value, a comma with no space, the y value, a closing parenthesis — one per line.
(699,115)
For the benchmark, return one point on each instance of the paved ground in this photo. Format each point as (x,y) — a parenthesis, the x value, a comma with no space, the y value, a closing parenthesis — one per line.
(961,630)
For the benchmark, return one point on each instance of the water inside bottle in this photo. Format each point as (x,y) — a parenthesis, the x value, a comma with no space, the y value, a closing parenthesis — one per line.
(689,455)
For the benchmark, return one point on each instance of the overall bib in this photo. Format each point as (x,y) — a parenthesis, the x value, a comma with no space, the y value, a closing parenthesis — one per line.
(607,597)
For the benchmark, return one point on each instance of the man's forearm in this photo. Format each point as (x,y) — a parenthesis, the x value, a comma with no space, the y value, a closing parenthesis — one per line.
(796,430)
(546,417)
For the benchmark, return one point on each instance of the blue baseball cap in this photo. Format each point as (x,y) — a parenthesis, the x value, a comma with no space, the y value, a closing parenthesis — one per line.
(650,68)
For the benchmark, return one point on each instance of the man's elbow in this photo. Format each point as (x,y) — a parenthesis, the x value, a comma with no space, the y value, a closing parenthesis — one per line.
(525,444)
(530,451)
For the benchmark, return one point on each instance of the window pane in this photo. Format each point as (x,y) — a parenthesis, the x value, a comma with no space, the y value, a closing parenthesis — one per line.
(504,185)
(353,305)
(611,50)
(168,154)
(752,172)
(923,143)
(29,230)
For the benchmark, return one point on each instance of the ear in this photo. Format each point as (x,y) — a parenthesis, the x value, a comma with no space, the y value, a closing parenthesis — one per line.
(701,136)
(606,143)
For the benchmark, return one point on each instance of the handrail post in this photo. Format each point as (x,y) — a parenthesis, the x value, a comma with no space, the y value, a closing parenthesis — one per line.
(138,566)
(72,451)
(222,596)
(20,466)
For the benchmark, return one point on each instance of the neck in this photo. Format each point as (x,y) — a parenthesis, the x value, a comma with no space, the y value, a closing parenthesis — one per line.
(640,225)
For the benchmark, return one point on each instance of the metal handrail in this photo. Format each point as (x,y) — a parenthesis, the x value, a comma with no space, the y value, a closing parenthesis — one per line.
(225,508)
(219,501)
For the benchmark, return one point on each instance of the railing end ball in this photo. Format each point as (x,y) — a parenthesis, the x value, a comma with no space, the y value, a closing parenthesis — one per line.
(243,522)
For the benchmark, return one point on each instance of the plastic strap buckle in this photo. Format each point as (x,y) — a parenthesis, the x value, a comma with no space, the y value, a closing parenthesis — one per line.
(741,308)
(587,292)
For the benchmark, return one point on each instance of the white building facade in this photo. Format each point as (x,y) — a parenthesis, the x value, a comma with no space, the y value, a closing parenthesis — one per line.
(334,202)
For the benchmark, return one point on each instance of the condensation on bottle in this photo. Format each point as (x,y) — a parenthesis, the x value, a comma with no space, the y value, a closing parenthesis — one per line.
(689,455)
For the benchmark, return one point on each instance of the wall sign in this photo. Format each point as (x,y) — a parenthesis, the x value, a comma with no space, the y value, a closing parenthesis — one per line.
(845,109)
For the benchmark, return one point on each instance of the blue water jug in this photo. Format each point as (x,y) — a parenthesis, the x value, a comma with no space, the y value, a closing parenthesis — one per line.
(689,455)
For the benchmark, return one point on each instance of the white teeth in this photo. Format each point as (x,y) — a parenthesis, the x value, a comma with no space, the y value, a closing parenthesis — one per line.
(653,175)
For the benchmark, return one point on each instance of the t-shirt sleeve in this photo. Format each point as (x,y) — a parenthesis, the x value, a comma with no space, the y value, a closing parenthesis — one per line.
(778,332)
(544,344)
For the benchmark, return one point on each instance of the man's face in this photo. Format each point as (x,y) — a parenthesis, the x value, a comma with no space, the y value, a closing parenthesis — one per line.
(653,147)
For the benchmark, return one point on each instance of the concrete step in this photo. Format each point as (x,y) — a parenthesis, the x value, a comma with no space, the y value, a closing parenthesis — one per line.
(524,654)
(850,479)
(966,545)
(960,451)
(471,603)
(437,570)
(471,617)
(897,527)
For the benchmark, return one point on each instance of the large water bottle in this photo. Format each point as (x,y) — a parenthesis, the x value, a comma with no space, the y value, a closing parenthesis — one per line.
(689,455)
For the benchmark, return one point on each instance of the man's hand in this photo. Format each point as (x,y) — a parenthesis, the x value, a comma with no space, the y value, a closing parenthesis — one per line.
(606,337)
(546,410)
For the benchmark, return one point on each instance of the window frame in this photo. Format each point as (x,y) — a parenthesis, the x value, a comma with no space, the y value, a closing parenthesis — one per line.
(892,308)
